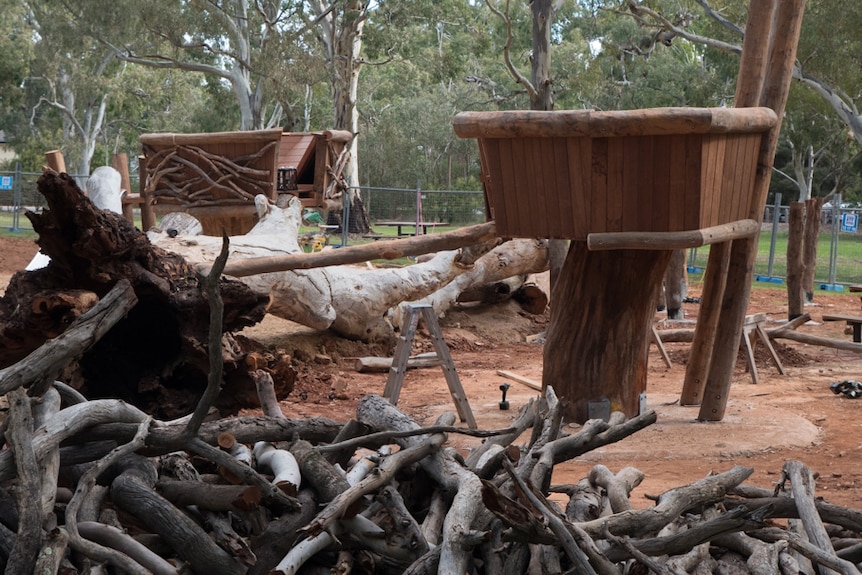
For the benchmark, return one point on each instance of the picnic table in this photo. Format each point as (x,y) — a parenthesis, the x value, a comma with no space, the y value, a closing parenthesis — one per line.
(414,225)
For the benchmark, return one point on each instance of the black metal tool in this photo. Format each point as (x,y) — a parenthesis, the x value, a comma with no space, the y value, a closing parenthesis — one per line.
(504,405)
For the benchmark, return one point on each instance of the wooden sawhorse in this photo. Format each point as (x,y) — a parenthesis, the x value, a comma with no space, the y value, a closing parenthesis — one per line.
(402,354)
(752,328)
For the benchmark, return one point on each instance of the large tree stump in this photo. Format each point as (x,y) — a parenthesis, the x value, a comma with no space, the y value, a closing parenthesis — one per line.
(598,338)
(161,345)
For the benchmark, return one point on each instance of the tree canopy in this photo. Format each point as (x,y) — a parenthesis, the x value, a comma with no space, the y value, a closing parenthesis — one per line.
(88,77)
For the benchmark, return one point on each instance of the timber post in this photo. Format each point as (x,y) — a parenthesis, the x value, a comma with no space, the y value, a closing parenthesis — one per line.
(774,78)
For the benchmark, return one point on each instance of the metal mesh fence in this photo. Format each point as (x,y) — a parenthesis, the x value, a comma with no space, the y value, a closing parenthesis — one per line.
(19,194)
(839,252)
(452,207)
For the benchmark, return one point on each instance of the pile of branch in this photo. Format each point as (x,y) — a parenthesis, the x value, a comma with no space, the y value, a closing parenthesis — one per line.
(89,484)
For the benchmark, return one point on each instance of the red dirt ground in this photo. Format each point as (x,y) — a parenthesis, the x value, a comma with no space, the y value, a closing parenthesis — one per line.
(795,416)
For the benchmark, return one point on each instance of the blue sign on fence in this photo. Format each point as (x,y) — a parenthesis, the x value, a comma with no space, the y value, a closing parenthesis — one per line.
(849,222)
(6,182)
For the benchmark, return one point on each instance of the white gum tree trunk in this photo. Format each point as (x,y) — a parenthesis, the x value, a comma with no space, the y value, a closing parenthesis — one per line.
(358,302)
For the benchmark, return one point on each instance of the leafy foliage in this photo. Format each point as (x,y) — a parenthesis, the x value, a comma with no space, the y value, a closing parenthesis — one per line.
(422,63)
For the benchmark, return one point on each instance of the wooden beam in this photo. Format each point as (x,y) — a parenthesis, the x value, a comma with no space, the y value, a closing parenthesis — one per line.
(211,137)
(54,160)
(590,123)
(697,369)
(532,384)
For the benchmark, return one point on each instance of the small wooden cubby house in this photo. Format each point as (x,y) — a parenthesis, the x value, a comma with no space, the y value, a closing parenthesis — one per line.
(216,176)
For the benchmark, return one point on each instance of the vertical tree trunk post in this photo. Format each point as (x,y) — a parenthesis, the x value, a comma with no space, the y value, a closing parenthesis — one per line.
(707,324)
(813,208)
(120,162)
(779,35)
(148,214)
(599,335)
(795,271)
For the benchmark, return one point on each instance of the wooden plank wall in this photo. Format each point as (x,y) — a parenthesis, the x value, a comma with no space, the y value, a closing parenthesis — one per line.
(570,187)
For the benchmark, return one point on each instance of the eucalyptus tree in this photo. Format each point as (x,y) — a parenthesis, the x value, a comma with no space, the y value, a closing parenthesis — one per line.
(816,154)
(67,87)
(62,88)
(16,45)
(437,55)
(828,57)
(225,41)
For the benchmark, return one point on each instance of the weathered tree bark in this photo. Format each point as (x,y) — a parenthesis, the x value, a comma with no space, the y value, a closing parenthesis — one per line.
(22,558)
(45,363)
(802,484)
(318,472)
(93,250)
(113,538)
(133,492)
(44,409)
(599,334)
(211,497)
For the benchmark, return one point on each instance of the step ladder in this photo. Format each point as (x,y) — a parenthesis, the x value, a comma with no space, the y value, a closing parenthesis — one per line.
(402,354)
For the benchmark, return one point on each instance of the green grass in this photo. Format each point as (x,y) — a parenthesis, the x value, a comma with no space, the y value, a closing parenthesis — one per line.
(23,231)
(848,268)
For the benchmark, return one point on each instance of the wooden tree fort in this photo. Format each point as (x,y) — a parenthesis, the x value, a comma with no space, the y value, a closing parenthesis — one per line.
(629,187)
(216,176)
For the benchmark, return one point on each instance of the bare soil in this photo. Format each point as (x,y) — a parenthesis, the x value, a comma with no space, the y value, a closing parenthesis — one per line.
(794,416)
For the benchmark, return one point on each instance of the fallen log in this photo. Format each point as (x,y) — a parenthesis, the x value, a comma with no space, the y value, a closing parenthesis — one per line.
(383,364)
(493,292)
(786,331)
(322,291)
(808,339)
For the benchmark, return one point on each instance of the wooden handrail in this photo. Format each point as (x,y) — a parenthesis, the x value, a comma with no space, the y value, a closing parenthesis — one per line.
(672,240)
(590,123)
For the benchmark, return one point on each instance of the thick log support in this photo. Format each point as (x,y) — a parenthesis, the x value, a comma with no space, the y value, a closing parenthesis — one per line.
(707,324)
(599,334)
